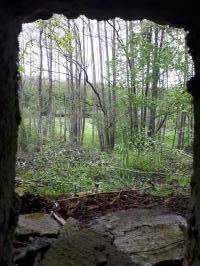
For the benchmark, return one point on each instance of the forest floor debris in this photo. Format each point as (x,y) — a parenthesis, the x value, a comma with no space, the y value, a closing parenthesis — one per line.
(87,211)
(91,205)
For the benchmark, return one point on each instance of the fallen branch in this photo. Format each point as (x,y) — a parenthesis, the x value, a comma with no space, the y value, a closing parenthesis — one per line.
(116,198)
(60,220)
(83,196)
(138,171)
(104,192)
(32,182)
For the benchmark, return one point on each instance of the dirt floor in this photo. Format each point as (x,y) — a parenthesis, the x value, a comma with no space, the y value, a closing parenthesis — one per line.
(87,206)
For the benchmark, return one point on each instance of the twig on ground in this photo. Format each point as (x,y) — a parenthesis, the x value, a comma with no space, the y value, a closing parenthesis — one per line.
(60,220)
(139,172)
(116,198)
(102,193)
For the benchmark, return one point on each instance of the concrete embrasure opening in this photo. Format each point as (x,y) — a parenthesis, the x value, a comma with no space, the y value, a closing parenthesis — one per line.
(88,87)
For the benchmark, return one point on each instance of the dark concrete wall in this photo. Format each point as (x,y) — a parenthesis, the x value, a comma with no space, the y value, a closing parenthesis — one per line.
(9,118)
(12,13)
(175,12)
(193,41)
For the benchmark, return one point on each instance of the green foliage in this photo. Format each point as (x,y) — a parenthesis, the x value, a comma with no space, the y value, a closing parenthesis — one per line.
(48,165)
(62,168)
(21,68)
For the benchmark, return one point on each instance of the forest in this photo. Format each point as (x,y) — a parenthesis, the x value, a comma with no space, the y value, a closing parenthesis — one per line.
(104,107)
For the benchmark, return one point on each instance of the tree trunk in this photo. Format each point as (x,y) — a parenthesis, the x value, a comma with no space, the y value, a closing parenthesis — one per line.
(147,81)
(155,80)
(110,97)
(181,133)
(67,101)
(104,118)
(77,89)
(40,97)
(84,93)
(72,104)
(96,115)
(133,91)
(49,52)
(114,83)
(130,105)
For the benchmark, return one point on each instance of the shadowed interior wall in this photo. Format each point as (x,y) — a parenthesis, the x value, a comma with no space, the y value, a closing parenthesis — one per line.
(9,119)
(193,255)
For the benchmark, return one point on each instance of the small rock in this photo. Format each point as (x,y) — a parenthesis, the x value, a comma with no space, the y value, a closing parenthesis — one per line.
(84,248)
(26,256)
(71,226)
(37,224)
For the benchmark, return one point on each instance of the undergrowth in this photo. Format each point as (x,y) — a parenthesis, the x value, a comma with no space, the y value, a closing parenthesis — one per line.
(60,169)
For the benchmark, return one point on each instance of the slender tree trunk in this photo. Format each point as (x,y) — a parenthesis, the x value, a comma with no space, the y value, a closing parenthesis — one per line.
(60,100)
(96,115)
(114,84)
(84,94)
(78,114)
(50,85)
(100,119)
(175,132)
(147,80)
(40,96)
(181,133)
(133,92)
(183,115)
(67,102)
(72,113)
(130,105)
(104,117)
(155,80)
(110,92)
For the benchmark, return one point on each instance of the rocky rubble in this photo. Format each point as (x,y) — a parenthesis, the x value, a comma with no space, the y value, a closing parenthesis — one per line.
(140,236)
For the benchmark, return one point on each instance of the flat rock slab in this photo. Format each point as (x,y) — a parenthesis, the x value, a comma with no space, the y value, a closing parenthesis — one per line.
(85,248)
(37,224)
(148,236)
